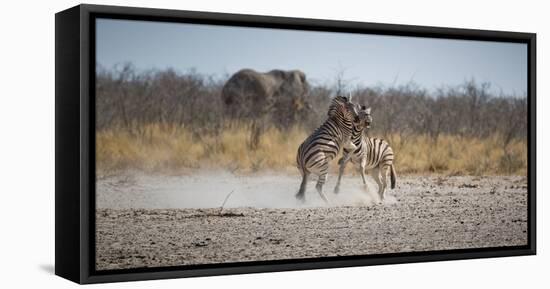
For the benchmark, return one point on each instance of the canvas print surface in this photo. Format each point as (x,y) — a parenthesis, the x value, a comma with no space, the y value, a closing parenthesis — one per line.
(220,144)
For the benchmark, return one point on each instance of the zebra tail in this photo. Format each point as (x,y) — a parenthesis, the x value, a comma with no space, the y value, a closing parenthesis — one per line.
(392,177)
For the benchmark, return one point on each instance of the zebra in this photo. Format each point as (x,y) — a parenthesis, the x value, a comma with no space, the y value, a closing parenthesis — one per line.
(370,154)
(323,145)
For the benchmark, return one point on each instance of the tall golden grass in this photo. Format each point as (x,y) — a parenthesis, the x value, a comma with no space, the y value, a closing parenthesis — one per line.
(167,147)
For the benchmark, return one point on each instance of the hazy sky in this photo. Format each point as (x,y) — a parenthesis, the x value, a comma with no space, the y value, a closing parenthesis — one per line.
(365,59)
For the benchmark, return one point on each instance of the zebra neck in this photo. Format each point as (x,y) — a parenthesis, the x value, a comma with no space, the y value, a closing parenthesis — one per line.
(345,126)
(357,133)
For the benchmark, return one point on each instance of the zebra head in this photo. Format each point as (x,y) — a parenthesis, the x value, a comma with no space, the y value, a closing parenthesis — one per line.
(365,117)
(342,107)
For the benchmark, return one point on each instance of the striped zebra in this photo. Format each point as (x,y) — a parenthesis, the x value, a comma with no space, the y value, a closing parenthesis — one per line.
(370,154)
(323,145)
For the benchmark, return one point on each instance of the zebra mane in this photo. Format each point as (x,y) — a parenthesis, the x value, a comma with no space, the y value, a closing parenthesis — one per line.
(336,105)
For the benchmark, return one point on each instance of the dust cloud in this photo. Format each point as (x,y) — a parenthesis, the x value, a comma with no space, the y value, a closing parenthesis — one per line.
(210,189)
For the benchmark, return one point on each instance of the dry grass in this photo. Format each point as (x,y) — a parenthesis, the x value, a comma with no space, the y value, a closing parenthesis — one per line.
(457,155)
(160,148)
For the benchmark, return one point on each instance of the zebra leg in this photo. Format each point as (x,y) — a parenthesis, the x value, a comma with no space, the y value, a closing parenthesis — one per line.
(362,170)
(376,176)
(384,181)
(350,146)
(343,161)
(319,186)
(301,193)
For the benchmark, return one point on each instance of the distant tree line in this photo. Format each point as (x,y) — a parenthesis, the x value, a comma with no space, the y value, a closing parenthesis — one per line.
(129,100)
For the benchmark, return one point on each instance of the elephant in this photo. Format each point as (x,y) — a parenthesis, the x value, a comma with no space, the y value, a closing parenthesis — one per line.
(278,96)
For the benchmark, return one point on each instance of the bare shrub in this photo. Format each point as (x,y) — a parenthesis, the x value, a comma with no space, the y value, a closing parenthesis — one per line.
(140,113)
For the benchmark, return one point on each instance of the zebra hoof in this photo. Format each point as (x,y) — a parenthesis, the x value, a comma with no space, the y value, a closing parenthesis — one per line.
(336,191)
(301,198)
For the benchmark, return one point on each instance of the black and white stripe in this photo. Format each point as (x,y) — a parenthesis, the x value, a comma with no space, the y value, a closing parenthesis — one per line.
(321,147)
(370,154)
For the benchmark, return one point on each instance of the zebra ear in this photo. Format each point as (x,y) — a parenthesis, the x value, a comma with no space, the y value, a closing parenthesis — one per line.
(363,107)
(367,110)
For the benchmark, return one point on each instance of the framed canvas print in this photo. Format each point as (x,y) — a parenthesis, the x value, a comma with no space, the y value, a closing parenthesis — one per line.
(194,144)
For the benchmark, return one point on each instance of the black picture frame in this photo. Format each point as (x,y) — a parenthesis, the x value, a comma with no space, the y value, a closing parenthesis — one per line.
(75,142)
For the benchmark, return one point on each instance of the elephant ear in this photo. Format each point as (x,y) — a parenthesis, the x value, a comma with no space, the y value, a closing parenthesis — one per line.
(301,76)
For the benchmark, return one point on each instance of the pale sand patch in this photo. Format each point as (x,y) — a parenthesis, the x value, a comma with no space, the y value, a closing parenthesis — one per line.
(152,221)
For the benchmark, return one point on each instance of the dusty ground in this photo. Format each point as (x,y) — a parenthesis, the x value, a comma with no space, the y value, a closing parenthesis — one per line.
(149,221)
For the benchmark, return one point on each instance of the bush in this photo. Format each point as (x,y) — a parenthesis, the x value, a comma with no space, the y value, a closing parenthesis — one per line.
(171,120)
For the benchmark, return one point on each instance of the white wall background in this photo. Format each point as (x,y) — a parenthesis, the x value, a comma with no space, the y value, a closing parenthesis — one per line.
(27,143)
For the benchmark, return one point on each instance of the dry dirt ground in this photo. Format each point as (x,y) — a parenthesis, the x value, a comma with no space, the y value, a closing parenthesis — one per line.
(151,221)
